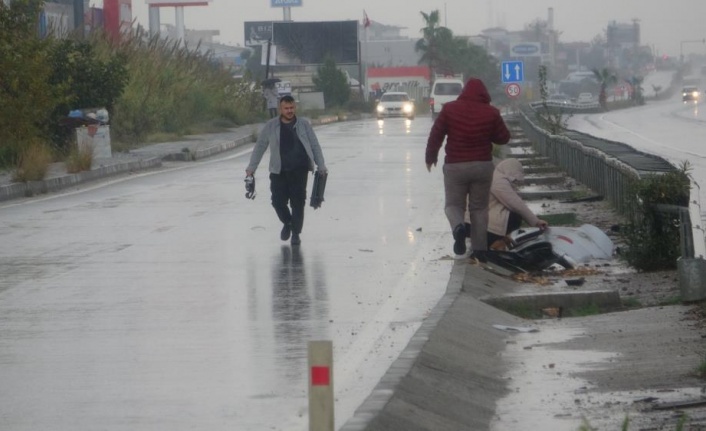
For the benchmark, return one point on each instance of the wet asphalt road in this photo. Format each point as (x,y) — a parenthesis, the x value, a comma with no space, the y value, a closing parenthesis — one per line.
(166,301)
(671,129)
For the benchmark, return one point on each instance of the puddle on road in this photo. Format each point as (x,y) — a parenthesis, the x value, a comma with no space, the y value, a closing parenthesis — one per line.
(542,389)
(545,394)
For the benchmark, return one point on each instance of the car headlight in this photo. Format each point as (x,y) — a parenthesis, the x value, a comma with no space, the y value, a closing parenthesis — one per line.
(380,108)
(407,108)
(695,94)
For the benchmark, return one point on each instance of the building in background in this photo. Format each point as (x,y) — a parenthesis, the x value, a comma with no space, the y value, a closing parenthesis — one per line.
(117,17)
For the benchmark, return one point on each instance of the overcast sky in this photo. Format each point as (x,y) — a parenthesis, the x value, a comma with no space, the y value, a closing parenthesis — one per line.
(667,25)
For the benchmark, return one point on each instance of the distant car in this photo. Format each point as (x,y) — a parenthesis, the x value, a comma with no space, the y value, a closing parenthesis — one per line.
(444,90)
(690,93)
(585,98)
(395,104)
(559,98)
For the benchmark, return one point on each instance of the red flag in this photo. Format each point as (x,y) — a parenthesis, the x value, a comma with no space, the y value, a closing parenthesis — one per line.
(366,20)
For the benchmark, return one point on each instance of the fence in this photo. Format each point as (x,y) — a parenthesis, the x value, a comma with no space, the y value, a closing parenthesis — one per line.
(608,168)
(599,171)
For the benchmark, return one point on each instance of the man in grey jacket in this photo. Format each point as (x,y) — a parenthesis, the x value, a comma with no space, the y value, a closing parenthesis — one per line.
(294,151)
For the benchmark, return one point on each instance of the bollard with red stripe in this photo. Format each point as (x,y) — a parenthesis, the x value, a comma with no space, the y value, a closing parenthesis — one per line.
(321,416)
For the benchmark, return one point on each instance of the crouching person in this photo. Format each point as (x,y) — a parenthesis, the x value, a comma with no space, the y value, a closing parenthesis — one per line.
(506,209)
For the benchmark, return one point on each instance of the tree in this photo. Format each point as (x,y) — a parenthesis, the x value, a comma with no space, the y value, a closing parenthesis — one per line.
(27,96)
(333,83)
(555,118)
(89,81)
(253,64)
(605,77)
(473,60)
(637,95)
(435,45)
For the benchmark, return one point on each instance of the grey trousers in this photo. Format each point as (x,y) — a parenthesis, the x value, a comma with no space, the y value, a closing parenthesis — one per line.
(468,183)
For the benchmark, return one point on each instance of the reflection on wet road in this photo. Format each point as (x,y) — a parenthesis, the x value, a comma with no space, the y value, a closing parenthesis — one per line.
(168,302)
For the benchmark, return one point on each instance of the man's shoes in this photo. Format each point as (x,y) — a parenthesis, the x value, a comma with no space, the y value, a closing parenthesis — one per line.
(459,234)
(286,232)
(295,239)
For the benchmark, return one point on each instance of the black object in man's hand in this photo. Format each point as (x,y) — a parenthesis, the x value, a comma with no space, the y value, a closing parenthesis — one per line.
(250,187)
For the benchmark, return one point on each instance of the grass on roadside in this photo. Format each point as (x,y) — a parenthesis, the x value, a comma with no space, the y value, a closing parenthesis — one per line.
(34,163)
(631,303)
(701,370)
(674,300)
(563,219)
(79,160)
(583,311)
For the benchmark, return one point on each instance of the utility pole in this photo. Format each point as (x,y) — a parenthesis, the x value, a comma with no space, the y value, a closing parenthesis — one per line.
(78,18)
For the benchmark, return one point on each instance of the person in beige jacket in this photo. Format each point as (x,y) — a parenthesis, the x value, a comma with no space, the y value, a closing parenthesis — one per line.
(506,209)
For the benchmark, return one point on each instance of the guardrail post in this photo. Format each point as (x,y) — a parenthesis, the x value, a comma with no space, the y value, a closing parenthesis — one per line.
(321,386)
(692,279)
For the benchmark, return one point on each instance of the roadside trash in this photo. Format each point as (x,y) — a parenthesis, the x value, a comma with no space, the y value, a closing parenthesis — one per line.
(515,328)
(91,129)
(553,312)
(575,281)
(531,249)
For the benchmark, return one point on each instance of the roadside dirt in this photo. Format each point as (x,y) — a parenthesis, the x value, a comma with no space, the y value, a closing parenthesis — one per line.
(636,288)
(655,378)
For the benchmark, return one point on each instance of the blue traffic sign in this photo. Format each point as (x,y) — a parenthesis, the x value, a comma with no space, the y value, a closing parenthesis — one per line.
(512,71)
(286,3)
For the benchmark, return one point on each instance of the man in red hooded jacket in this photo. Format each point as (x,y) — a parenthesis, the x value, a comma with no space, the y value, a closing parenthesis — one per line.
(471,125)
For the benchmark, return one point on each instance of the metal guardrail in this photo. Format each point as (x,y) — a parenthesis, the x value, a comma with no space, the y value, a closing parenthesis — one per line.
(608,168)
(568,106)
(600,172)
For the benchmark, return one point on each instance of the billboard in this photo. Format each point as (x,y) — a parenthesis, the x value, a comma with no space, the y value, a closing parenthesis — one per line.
(257,32)
(310,42)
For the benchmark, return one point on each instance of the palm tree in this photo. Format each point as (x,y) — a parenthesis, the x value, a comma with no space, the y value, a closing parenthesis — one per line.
(605,77)
(637,96)
(434,44)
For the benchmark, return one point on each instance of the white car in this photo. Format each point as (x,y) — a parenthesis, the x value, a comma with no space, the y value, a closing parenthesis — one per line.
(690,93)
(395,104)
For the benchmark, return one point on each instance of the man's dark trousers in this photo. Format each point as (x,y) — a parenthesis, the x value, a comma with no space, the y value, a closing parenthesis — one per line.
(289,188)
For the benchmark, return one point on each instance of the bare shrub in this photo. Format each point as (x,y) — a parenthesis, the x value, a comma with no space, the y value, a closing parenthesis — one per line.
(80,159)
(33,163)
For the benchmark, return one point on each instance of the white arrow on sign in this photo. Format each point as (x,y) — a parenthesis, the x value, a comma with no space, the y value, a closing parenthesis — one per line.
(508,74)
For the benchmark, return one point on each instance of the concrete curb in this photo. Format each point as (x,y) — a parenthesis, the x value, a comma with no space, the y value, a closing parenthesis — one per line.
(146,160)
(385,389)
(457,377)
(33,188)
(202,153)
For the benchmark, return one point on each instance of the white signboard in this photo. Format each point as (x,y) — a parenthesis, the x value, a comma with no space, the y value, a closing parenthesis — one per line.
(392,83)
(526,49)
(284,87)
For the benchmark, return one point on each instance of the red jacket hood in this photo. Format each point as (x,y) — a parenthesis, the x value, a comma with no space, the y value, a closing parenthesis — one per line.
(475,91)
